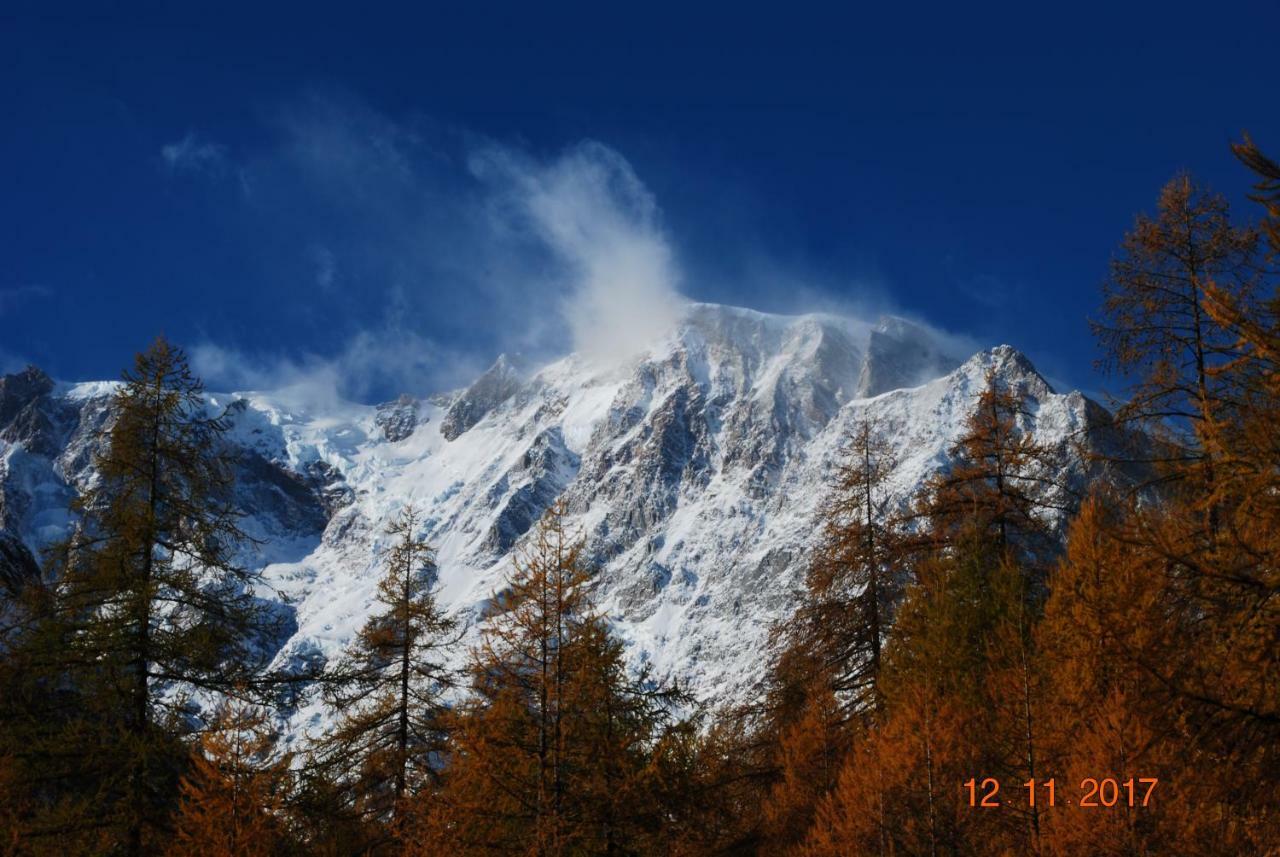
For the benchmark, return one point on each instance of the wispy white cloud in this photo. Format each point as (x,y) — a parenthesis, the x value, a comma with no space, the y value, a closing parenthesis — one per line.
(418,251)
(990,291)
(326,267)
(12,297)
(596,216)
(191,154)
(474,246)
(370,361)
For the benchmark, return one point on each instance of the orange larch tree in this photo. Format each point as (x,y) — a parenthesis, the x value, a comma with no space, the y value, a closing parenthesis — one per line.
(554,752)
(390,689)
(233,797)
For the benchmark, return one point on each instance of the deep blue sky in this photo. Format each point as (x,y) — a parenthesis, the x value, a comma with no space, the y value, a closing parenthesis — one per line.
(284,183)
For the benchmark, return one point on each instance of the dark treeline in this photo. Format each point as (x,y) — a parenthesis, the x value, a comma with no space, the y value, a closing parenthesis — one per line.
(1002,628)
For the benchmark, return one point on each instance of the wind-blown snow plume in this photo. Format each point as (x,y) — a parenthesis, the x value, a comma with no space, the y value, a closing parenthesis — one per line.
(595,214)
(407,229)
(413,253)
(368,361)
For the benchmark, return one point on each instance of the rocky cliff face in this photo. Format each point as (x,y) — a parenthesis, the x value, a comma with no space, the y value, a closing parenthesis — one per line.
(499,383)
(901,354)
(693,474)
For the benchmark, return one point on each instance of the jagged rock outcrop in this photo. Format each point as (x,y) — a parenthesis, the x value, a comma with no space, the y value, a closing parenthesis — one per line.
(397,419)
(525,491)
(495,386)
(29,414)
(21,389)
(693,474)
(47,452)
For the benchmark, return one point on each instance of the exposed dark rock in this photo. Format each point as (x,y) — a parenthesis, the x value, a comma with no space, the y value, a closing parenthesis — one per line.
(90,423)
(397,419)
(491,389)
(20,389)
(329,485)
(40,427)
(670,452)
(538,478)
(263,488)
(18,567)
(30,416)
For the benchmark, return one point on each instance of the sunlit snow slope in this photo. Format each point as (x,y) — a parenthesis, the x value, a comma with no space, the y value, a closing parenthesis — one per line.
(693,472)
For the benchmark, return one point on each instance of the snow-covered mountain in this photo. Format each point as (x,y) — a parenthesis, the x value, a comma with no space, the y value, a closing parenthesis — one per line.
(693,472)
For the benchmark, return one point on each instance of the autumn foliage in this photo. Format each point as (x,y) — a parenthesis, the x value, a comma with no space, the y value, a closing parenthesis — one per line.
(233,792)
(1129,633)
(1001,627)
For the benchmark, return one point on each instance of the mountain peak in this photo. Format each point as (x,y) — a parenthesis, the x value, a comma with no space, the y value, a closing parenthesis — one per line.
(498,383)
(1012,366)
(18,389)
(693,475)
